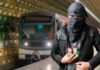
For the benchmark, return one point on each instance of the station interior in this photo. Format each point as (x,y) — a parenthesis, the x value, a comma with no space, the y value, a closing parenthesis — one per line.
(15,57)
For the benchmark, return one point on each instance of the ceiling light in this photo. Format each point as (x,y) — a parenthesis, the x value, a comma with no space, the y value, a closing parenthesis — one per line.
(1,3)
(18,0)
(6,5)
(16,7)
(20,9)
(9,13)
(0,11)
(4,13)
(11,6)
(30,4)
(24,9)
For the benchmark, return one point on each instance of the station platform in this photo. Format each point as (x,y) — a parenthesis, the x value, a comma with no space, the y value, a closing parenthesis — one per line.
(46,64)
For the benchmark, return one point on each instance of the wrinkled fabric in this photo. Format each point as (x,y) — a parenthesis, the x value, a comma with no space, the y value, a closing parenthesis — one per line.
(71,67)
(75,28)
(75,25)
(74,36)
(78,9)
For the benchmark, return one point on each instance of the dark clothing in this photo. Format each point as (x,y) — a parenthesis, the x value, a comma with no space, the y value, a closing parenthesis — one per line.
(78,9)
(91,38)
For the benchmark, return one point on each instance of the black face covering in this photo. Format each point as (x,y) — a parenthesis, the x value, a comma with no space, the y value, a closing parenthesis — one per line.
(75,28)
(75,25)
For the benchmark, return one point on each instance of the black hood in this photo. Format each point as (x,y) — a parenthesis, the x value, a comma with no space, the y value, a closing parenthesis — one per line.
(77,8)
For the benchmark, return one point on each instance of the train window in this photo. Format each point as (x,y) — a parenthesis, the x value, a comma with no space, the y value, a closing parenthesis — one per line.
(37,31)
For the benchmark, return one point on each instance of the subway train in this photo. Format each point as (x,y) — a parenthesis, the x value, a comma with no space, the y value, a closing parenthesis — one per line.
(37,31)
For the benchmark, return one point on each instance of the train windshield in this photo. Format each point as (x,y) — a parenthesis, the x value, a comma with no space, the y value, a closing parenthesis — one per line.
(37,30)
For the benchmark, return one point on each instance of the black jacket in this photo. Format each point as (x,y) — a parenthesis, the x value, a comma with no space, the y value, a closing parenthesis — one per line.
(91,39)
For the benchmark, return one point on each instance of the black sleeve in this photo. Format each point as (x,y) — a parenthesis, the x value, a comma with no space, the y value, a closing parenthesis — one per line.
(55,52)
(96,41)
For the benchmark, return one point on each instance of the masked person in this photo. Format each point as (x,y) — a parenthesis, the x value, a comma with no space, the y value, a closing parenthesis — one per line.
(78,39)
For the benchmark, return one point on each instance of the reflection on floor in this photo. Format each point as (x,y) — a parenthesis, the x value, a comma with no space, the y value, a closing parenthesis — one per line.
(46,64)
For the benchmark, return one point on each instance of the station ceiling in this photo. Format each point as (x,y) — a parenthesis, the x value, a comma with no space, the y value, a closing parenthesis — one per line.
(93,6)
(93,9)
(17,7)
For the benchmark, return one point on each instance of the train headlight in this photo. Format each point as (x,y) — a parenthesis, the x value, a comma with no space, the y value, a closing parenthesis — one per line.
(49,44)
(26,44)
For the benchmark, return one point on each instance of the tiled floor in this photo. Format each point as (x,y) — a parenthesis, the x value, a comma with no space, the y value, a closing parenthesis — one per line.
(47,64)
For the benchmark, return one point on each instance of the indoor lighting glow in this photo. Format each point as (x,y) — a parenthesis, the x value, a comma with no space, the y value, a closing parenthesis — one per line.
(11,6)
(0,11)
(1,3)
(49,44)
(6,5)
(48,67)
(26,43)
(1,44)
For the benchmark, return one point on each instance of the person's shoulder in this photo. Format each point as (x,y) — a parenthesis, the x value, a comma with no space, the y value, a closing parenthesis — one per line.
(60,34)
(61,30)
(92,28)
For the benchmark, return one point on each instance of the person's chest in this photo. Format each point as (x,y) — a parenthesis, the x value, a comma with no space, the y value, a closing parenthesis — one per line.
(85,47)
